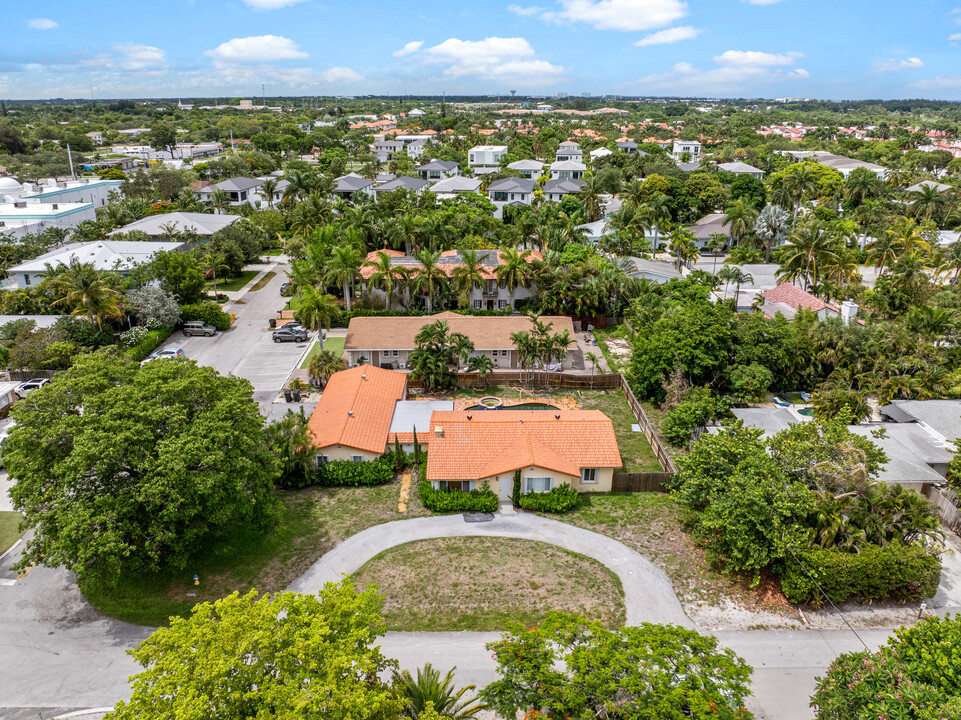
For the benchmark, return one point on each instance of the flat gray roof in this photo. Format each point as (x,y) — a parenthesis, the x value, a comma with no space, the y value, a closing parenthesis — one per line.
(410,414)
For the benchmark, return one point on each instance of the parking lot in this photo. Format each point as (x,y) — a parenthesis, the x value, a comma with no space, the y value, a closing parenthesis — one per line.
(247,349)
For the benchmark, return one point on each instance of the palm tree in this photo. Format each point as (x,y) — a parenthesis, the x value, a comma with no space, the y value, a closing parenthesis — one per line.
(514,270)
(482,365)
(430,278)
(300,185)
(323,364)
(342,268)
(462,347)
(430,688)
(213,262)
(267,190)
(869,214)
(317,310)
(384,274)
(658,211)
(741,214)
(590,197)
(309,214)
(683,246)
(861,185)
(811,248)
(771,228)
(950,261)
(219,200)
(883,251)
(797,184)
(85,292)
(593,360)
(740,278)
(928,203)
(468,275)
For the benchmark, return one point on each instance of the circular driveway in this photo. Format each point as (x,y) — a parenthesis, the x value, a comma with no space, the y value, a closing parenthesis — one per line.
(648,594)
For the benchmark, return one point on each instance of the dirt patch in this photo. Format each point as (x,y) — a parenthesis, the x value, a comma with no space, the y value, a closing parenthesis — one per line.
(620,349)
(479,583)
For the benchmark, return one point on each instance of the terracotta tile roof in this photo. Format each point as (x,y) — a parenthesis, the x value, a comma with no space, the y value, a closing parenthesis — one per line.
(490,332)
(494,442)
(356,412)
(795,297)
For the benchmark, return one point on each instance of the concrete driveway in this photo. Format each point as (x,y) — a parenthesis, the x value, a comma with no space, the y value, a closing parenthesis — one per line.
(246,350)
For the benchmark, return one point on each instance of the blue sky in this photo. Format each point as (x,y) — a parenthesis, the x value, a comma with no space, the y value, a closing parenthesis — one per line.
(732,48)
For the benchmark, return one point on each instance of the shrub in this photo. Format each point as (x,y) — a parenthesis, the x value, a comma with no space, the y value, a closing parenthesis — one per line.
(895,570)
(132,337)
(443,501)
(343,473)
(148,343)
(560,499)
(697,409)
(210,313)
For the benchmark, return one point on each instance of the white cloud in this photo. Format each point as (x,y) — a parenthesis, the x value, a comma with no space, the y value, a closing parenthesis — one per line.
(891,65)
(270,4)
(409,48)
(257,48)
(671,35)
(494,58)
(129,57)
(42,24)
(761,2)
(943,82)
(337,75)
(955,39)
(750,58)
(735,71)
(627,15)
(526,11)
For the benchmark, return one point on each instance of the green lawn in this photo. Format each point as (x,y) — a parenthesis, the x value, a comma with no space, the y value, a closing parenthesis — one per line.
(636,452)
(263,281)
(293,303)
(273,252)
(9,529)
(233,283)
(334,344)
(312,522)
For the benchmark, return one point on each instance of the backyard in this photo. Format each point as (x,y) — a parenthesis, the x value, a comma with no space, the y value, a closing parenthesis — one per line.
(480,583)
(311,522)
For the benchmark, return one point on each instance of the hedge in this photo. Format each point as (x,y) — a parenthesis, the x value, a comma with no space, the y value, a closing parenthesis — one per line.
(560,499)
(344,473)
(151,340)
(343,318)
(208,312)
(893,571)
(457,501)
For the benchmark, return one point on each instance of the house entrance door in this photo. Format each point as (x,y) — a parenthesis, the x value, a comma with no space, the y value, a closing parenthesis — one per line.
(506,487)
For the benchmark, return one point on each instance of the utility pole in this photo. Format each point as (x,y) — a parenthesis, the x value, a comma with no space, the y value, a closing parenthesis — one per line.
(263,91)
(73,174)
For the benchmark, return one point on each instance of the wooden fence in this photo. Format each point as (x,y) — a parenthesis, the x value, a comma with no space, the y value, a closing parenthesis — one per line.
(944,505)
(24,375)
(641,482)
(533,379)
(662,457)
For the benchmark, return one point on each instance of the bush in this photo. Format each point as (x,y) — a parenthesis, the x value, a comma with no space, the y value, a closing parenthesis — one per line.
(697,409)
(560,499)
(443,501)
(148,344)
(209,313)
(344,473)
(895,570)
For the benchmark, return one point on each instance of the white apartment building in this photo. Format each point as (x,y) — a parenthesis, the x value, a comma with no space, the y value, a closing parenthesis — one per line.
(485,159)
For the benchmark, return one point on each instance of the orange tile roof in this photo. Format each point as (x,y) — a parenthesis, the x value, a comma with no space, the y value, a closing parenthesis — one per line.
(355,410)
(494,442)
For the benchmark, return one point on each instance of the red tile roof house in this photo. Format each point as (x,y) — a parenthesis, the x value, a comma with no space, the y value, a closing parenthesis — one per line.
(469,449)
(787,299)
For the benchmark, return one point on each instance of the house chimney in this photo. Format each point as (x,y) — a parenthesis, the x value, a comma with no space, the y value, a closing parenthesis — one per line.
(849,311)
(438,431)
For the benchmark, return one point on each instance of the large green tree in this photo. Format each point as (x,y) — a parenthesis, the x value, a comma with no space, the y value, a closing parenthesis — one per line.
(122,468)
(283,657)
(569,668)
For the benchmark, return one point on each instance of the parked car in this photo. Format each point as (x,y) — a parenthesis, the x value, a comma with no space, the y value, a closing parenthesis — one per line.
(286,333)
(30,385)
(195,327)
(168,352)
(284,289)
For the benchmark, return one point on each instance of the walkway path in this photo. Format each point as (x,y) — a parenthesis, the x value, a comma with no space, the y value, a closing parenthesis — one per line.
(648,595)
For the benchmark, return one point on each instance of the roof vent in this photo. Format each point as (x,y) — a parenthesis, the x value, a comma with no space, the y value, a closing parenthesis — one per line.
(363,376)
(521,421)
(557,416)
(470,417)
(350,413)
(439,431)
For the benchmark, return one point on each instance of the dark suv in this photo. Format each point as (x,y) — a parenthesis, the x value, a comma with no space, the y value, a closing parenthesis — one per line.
(285,333)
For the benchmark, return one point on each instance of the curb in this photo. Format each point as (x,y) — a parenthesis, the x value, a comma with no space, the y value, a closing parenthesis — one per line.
(81,713)
(11,548)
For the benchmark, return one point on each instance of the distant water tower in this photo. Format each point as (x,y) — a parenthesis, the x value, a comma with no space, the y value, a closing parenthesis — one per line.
(513,93)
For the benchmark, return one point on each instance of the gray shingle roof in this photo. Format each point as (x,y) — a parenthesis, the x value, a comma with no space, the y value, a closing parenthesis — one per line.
(566,186)
(402,183)
(442,165)
(514,185)
(199,223)
(237,184)
(352,183)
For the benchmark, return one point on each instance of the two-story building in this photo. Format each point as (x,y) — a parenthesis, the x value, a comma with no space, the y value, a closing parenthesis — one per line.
(485,159)
(437,170)
(347,186)
(454,186)
(692,148)
(530,169)
(240,190)
(510,191)
(569,150)
(568,170)
(404,182)
(557,190)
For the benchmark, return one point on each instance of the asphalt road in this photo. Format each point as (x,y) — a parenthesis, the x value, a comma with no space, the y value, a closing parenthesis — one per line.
(247,350)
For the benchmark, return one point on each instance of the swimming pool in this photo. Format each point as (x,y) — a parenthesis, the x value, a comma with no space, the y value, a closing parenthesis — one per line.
(807,412)
(520,406)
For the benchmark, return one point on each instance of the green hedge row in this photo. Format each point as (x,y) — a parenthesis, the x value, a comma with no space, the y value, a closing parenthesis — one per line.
(151,340)
(444,501)
(208,312)
(560,499)
(344,318)
(344,473)
(896,570)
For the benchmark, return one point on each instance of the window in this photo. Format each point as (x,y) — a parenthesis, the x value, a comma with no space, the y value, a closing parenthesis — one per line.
(462,485)
(394,353)
(500,196)
(321,459)
(472,157)
(357,458)
(538,484)
(477,304)
(501,304)
(588,475)
(26,279)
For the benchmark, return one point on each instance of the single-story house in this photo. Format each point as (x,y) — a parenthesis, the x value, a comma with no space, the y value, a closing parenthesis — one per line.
(119,255)
(595,231)
(940,187)
(707,226)
(627,146)
(385,341)
(454,186)
(470,449)
(656,271)
(739,168)
(241,190)
(156,226)
(788,299)
(347,185)
(939,417)
(600,152)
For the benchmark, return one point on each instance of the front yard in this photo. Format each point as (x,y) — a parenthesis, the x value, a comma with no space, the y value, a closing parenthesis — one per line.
(312,521)
(233,283)
(9,529)
(481,583)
